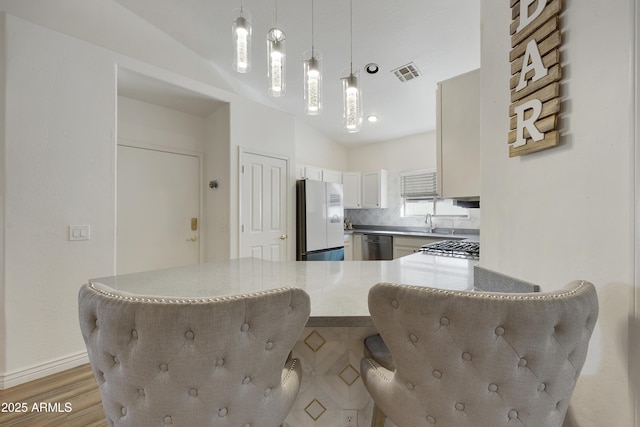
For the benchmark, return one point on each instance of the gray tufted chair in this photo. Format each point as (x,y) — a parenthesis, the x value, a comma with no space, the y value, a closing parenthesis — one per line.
(194,362)
(477,359)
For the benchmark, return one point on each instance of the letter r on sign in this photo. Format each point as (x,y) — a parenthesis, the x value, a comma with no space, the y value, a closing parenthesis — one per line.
(528,124)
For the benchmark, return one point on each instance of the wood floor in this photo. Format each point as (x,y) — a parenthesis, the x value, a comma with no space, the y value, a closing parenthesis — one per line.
(69,399)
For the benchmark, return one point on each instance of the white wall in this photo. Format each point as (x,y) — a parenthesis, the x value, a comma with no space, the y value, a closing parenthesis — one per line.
(59,170)
(3,314)
(262,130)
(315,149)
(398,155)
(567,213)
(59,147)
(218,167)
(149,124)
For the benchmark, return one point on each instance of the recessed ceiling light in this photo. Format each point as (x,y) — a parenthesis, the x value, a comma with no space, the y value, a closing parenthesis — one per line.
(372,68)
(372,118)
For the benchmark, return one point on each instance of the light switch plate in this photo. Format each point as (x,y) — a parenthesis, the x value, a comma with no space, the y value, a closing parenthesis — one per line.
(79,232)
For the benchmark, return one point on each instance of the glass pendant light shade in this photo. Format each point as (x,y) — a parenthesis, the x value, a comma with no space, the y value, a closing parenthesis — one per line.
(352,103)
(241,32)
(276,58)
(313,83)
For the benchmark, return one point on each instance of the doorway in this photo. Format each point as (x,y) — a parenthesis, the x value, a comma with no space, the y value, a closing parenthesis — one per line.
(263,206)
(158,209)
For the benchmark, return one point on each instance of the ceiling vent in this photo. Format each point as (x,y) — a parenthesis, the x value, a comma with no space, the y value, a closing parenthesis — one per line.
(407,72)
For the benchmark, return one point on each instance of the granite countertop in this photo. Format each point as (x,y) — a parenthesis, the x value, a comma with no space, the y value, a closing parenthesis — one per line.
(338,289)
(462,233)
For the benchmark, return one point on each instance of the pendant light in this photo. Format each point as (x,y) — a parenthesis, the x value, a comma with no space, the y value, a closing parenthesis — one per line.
(276,59)
(241,31)
(312,77)
(351,95)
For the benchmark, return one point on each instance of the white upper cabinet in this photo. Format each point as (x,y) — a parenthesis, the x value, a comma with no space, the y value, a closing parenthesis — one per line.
(313,173)
(458,136)
(374,189)
(329,175)
(352,187)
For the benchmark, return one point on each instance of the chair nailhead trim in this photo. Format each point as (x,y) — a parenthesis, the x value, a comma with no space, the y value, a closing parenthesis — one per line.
(288,374)
(499,295)
(177,300)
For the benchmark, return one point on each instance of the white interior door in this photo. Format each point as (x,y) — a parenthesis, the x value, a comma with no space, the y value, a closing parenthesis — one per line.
(263,207)
(158,196)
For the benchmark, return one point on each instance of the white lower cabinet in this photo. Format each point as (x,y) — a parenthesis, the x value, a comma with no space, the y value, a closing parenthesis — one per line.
(348,247)
(405,245)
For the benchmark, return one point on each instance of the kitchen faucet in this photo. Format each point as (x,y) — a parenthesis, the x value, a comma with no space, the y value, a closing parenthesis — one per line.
(429,222)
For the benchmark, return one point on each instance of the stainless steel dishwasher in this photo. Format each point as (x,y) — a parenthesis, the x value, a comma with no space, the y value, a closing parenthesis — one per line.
(377,247)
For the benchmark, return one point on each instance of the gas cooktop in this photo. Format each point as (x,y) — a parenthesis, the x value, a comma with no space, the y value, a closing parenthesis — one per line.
(453,248)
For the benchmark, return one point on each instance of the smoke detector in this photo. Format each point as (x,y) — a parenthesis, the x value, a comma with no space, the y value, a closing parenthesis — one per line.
(407,72)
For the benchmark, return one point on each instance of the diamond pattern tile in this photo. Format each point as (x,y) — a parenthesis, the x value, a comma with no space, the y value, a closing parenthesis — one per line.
(349,375)
(315,409)
(314,341)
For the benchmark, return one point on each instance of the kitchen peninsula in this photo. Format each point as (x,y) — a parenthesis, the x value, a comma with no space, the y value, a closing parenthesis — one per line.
(330,347)
(338,290)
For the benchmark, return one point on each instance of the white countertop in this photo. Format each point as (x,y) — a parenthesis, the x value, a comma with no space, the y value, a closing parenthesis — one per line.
(338,289)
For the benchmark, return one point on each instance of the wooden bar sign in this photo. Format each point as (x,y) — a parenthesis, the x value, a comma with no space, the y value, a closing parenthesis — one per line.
(535,75)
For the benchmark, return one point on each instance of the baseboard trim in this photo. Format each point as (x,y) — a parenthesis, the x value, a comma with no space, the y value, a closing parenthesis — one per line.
(12,379)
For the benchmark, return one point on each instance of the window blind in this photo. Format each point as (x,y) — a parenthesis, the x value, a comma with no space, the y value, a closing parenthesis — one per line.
(419,186)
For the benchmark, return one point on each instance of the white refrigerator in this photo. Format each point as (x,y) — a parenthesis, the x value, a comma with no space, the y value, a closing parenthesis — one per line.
(320,221)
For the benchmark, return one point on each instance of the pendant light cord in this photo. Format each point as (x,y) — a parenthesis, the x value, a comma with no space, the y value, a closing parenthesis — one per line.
(312,44)
(351,34)
(276,13)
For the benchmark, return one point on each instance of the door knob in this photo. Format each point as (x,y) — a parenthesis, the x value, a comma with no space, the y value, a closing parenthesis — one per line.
(193,238)
(283,236)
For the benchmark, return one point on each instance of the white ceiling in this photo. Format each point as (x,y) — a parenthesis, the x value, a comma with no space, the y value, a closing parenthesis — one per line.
(441,37)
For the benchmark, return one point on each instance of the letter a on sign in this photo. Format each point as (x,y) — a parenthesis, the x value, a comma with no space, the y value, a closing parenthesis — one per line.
(528,124)
(532,61)
(525,18)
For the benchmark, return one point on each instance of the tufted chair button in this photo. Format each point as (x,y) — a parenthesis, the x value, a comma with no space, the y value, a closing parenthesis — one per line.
(116,360)
(522,362)
(459,406)
(222,412)
(430,419)
(167,420)
(413,338)
(437,374)
(493,387)
(269,345)
(189,335)
(193,392)
(542,387)
(444,321)
(267,392)
(410,386)
(220,362)
(466,356)
(395,304)
(499,331)
(246,380)
(141,392)
(134,334)
(513,414)
(244,327)
(123,411)
(164,367)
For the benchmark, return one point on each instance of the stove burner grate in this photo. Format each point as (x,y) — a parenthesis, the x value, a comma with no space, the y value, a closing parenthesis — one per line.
(453,248)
